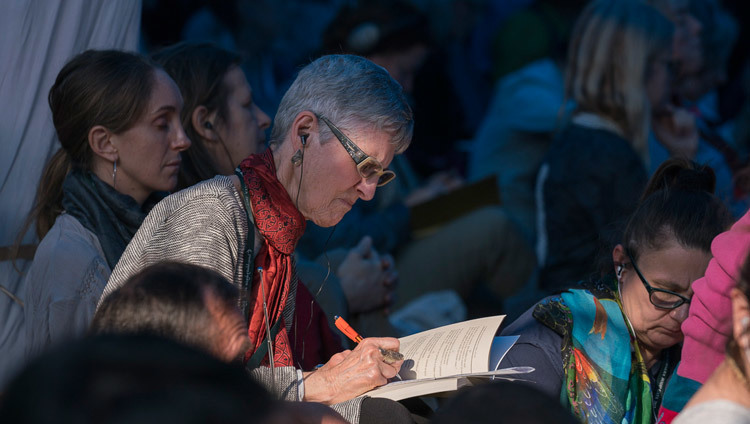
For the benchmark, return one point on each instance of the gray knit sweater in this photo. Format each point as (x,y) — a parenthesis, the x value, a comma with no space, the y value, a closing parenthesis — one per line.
(206,225)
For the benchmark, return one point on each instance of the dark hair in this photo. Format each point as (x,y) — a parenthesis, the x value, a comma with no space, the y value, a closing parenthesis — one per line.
(368,28)
(503,402)
(132,378)
(167,299)
(199,70)
(97,87)
(677,204)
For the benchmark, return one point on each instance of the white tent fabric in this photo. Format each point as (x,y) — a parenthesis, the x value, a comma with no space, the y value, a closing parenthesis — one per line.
(39,36)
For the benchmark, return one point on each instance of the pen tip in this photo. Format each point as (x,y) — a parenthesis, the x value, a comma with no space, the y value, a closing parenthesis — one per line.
(335,317)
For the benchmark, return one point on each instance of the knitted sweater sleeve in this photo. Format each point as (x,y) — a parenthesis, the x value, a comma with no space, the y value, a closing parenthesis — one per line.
(203,225)
(709,323)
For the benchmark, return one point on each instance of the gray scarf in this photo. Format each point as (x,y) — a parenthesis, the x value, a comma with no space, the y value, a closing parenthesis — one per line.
(112,216)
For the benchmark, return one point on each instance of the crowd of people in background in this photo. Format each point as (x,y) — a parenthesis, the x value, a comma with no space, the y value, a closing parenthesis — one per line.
(226,177)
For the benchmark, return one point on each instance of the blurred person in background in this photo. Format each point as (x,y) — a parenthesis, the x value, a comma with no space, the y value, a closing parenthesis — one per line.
(595,168)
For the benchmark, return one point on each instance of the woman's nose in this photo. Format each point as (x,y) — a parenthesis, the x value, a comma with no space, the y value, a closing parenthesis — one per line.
(182,141)
(680,313)
(366,189)
(264,121)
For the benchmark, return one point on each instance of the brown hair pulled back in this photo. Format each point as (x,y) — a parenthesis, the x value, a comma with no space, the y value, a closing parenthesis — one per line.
(199,70)
(678,203)
(97,87)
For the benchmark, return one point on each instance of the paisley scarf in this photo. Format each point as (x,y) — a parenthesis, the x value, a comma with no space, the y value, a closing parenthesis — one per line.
(281,225)
(605,378)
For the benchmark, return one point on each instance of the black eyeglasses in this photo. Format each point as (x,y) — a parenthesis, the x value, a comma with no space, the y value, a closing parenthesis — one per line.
(367,166)
(661,298)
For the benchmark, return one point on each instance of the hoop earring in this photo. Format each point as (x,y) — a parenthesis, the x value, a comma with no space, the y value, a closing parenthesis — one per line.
(114,173)
(297,158)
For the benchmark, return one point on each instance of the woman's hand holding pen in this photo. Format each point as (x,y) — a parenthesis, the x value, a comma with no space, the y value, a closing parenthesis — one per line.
(350,373)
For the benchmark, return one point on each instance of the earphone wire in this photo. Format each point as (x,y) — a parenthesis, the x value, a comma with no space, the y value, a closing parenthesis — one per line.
(317,293)
(325,255)
(301,173)
(224,146)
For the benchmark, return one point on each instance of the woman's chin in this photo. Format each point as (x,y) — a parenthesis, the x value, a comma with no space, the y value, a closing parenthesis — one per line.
(326,221)
(665,339)
(331,217)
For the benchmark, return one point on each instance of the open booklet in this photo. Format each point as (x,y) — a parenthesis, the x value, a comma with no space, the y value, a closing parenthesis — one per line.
(446,358)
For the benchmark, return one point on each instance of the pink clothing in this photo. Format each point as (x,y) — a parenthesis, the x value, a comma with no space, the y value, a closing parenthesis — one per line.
(709,324)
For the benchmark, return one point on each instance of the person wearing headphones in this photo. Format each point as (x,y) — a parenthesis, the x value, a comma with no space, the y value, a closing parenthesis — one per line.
(337,129)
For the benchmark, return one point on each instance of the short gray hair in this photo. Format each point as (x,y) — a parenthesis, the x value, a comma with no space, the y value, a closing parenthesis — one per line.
(351,91)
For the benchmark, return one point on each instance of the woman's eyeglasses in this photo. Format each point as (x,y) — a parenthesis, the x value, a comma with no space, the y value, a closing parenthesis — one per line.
(367,166)
(660,298)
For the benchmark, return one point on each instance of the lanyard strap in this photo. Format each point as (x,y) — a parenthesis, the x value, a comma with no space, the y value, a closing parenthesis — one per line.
(247,277)
(257,357)
(661,380)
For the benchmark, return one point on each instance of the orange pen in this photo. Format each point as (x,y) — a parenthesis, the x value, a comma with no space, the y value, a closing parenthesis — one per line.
(390,356)
(347,329)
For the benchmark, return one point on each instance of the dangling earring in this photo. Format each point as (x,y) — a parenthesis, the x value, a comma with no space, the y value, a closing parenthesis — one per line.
(297,158)
(114,173)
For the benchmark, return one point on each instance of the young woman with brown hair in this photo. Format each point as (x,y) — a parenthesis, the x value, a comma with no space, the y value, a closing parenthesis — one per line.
(117,116)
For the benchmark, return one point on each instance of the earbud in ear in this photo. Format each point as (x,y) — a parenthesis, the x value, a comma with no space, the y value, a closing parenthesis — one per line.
(619,271)
(303,139)
(208,125)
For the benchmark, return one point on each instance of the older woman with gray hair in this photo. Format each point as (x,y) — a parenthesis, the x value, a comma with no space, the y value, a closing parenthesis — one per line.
(337,128)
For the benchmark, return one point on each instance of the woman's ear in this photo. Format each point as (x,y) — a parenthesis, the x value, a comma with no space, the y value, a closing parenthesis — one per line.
(740,318)
(303,127)
(203,123)
(100,141)
(619,258)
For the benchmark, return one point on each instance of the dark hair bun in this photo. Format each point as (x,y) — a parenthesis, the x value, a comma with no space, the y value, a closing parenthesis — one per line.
(681,174)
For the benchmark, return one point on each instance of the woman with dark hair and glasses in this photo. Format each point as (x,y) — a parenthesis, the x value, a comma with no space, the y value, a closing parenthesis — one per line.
(246,226)
(609,347)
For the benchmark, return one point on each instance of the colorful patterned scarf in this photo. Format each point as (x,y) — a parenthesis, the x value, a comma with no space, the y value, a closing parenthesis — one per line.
(281,225)
(605,378)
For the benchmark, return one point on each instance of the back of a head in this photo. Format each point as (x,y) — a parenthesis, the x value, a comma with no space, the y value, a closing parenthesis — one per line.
(98,87)
(110,88)
(611,48)
(199,70)
(503,402)
(382,27)
(678,203)
(349,90)
(167,299)
(132,378)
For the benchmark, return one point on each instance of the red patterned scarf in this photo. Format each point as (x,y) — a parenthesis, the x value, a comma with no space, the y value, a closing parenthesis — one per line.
(281,225)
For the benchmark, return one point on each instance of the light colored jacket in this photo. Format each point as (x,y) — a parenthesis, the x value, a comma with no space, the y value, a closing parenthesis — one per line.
(206,225)
(63,285)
